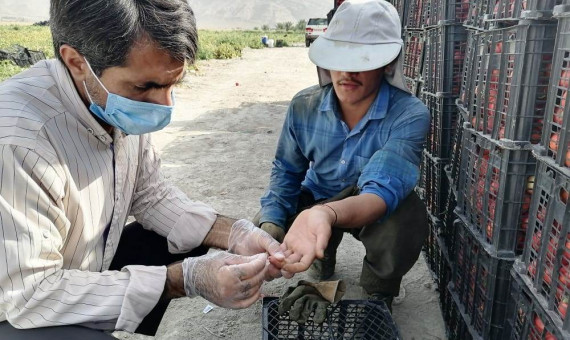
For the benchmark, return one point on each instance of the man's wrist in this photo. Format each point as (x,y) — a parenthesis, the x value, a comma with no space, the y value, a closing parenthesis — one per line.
(219,234)
(174,284)
(329,211)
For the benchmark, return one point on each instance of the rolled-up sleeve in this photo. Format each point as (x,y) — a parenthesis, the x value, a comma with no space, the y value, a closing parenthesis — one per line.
(165,209)
(393,171)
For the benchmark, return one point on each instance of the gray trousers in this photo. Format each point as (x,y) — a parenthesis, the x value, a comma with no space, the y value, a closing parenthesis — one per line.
(392,245)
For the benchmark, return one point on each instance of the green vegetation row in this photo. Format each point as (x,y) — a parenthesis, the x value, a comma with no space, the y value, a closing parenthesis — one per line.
(213,44)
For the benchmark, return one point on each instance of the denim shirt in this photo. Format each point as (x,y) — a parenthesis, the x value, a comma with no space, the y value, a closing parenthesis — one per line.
(317,150)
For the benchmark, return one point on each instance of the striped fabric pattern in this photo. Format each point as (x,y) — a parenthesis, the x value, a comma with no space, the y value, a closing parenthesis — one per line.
(63,182)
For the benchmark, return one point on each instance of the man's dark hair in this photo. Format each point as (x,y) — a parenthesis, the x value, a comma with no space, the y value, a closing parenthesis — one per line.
(105,31)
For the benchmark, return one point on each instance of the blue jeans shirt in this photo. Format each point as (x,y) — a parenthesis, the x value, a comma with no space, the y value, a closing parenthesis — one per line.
(318,151)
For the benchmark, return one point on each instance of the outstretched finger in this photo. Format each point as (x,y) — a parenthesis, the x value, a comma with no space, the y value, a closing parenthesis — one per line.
(300,266)
(245,267)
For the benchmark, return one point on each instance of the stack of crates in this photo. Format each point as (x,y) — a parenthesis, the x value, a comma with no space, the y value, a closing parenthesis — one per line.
(414,44)
(541,277)
(486,72)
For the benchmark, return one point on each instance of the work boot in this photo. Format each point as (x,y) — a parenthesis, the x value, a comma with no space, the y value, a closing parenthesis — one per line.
(323,269)
(386,298)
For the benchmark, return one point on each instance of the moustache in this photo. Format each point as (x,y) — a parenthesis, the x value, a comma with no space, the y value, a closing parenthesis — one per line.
(342,81)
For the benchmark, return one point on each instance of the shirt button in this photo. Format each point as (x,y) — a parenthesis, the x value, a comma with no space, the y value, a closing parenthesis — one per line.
(90,130)
(102,138)
(342,161)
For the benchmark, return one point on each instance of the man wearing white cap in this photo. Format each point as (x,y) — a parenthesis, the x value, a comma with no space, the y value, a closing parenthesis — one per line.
(348,155)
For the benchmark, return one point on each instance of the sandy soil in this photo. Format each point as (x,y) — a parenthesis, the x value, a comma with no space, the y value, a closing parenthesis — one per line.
(219,149)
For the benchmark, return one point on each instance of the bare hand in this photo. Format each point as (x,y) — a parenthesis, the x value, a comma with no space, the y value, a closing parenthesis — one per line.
(307,238)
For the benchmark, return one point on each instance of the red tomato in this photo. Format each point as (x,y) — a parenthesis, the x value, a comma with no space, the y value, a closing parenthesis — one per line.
(563,195)
(524,223)
(549,336)
(567,160)
(539,324)
(554,137)
(536,241)
(532,269)
(564,79)
(564,277)
(563,307)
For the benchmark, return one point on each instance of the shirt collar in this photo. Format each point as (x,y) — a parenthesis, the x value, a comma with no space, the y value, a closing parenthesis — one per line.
(73,103)
(377,110)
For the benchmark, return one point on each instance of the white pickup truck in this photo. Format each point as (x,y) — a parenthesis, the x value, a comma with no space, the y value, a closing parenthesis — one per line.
(314,28)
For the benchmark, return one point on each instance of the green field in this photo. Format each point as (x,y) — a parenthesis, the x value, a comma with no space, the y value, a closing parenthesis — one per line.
(212,44)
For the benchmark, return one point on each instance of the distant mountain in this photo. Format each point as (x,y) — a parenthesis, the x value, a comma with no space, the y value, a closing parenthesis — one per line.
(210,14)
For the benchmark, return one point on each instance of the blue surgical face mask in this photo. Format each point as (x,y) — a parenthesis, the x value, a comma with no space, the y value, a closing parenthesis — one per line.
(130,116)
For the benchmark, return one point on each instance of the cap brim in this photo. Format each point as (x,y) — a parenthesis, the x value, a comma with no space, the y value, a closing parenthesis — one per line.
(351,57)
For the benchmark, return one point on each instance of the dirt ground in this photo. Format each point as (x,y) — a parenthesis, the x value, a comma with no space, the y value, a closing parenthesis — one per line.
(219,150)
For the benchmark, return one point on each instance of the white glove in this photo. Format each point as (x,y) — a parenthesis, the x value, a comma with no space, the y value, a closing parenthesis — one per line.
(228,280)
(247,239)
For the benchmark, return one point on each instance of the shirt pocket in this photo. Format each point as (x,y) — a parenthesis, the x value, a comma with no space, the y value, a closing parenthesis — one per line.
(359,164)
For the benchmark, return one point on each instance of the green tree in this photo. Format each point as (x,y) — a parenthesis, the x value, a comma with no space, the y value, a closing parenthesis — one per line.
(288,26)
(265,28)
(256,28)
(301,25)
(280,26)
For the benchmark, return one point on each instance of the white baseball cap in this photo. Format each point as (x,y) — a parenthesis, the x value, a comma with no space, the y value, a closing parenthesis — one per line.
(363,35)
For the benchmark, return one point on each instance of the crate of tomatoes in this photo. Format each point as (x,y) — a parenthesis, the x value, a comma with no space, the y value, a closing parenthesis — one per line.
(457,323)
(487,14)
(444,114)
(508,12)
(509,81)
(546,258)
(526,317)
(433,183)
(495,188)
(556,134)
(414,44)
(443,61)
(466,86)
(481,282)
(417,12)
(447,11)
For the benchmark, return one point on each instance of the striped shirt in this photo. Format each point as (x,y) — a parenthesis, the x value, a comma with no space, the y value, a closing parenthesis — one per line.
(63,182)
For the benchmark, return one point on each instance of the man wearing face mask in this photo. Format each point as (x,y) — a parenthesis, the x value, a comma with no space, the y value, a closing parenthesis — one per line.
(348,155)
(77,161)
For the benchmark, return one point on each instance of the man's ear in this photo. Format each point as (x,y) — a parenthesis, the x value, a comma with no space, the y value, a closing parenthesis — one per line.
(74,61)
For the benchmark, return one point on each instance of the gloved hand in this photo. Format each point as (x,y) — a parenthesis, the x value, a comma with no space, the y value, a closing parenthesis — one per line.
(307,297)
(274,230)
(247,239)
(228,280)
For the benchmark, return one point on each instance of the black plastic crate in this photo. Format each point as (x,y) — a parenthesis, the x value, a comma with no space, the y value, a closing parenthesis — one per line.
(447,233)
(526,317)
(456,322)
(493,195)
(467,87)
(447,11)
(433,183)
(508,12)
(443,61)
(401,7)
(417,12)
(436,253)
(414,45)
(414,85)
(556,134)
(455,162)
(443,123)
(507,84)
(476,14)
(347,319)
(481,282)
(546,257)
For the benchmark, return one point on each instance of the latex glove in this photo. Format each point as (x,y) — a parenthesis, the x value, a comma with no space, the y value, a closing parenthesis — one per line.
(300,301)
(228,280)
(307,238)
(274,230)
(247,239)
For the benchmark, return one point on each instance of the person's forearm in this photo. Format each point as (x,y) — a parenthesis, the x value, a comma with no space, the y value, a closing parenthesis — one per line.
(355,211)
(174,285)
(220,233)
